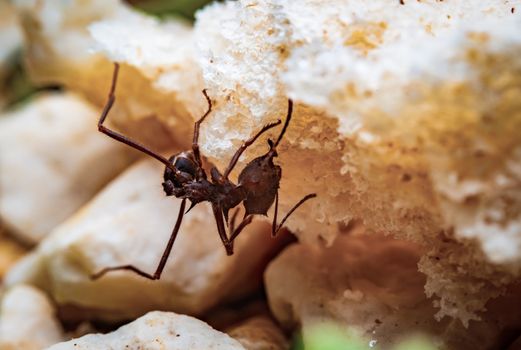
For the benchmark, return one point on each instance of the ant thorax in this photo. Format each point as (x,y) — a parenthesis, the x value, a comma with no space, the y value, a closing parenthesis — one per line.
(186,178)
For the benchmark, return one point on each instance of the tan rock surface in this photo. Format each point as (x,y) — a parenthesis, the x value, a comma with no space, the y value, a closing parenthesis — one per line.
(28,320)
(129,222)
(156,330)
(52,160)
(10,36)
(10,252)
(10,44)
(259,333)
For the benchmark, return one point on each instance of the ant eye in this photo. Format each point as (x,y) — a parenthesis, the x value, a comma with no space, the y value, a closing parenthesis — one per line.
(185,165)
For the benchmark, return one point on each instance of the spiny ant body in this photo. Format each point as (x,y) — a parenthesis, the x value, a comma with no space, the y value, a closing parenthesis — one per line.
(185,178)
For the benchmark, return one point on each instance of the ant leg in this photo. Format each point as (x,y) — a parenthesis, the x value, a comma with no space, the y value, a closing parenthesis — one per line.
(231,224)
(275,213)
(275,228)
(247,220)
(245,145)
(217,212)
(195,142)
(286,123)
(164,257)
(249,142)
(121,138)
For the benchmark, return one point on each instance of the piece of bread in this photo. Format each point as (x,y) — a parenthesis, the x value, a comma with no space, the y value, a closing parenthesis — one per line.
(407,119)
(156,330)
(370,287)
(28,320)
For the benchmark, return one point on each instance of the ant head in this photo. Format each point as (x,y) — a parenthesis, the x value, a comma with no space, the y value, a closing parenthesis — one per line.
(186,171)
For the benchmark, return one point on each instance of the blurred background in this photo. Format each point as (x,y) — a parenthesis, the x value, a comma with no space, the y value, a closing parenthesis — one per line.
(15,85)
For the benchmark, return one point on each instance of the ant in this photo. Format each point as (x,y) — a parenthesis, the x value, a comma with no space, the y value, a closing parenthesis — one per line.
(185,178)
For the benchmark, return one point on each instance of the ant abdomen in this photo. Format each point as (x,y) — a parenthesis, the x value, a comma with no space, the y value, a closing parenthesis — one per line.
(260,179)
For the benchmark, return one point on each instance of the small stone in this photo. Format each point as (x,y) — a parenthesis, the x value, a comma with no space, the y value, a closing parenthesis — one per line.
(259,333)
(53,160)
(10,252)
(27,320)
(156,330)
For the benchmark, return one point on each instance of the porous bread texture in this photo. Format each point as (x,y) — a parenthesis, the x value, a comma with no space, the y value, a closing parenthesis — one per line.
(51,152)
(406,118)
(130,222)
(377,295)
(280,56)
(73,44)
(27,320)
(156,330)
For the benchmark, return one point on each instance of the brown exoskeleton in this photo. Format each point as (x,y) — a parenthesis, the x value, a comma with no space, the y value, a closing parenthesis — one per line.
(185,178)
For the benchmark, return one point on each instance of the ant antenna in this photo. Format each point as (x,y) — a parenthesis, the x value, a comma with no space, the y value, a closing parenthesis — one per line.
(286,123)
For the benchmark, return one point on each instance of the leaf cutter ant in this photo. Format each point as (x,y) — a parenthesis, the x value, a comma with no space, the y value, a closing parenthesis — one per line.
(185,178)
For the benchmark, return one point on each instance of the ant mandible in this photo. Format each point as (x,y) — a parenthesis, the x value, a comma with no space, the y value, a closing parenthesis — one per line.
(185,178)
